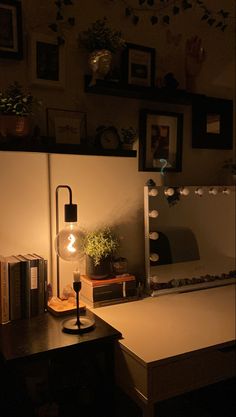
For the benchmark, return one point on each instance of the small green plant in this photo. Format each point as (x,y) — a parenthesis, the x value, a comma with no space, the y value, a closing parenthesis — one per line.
(100,244)
(101,36)
(128,135)
(15,101)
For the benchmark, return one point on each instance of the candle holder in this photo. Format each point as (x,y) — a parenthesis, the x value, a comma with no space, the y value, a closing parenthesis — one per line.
(78,324)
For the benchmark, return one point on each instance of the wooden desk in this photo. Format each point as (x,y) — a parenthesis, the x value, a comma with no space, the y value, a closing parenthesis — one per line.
(173,343)
(74,366)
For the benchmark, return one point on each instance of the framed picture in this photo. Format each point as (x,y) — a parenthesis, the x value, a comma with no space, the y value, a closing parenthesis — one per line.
(212,123)
(47,61)
(160,138)
(10,29)
(66,126)
(139,65)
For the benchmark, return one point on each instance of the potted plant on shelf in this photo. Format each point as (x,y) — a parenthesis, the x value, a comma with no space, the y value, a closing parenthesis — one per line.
(128,137)
(99,246)
(101,41)
(15,107)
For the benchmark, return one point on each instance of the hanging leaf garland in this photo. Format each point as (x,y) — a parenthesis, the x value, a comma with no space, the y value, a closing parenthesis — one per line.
(60,22)
(164,10)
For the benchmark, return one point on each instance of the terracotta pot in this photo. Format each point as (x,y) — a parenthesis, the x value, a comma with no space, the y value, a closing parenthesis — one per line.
(14,126)
(100,271)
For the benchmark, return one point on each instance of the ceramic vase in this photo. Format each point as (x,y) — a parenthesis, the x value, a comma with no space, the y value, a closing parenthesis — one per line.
(14,126)
(100,62)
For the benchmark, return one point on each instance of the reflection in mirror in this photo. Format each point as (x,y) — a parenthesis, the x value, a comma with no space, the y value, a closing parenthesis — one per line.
(213,123)
(191,244)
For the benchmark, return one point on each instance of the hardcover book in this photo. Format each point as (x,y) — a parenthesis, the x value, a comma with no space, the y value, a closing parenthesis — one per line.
(15,287)
(108,289)
(4,291)
(33,284)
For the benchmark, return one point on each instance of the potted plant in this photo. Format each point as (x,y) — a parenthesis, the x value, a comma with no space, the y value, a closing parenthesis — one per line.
(101,41)
(15,107)
(128,137)
(99,246)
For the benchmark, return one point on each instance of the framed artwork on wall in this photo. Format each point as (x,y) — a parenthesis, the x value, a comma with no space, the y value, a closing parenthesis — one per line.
(139,65)
(66,126)
(160,139)
(11,44)
(47,61)
(212,123)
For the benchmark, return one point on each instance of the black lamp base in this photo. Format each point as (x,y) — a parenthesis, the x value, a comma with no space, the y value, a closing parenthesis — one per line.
(71,326)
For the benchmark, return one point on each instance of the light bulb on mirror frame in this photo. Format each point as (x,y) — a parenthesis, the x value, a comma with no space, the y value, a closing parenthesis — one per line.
(153,192)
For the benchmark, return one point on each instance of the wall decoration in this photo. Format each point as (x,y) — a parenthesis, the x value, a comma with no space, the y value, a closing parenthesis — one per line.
(162,12)
(47,61)
(66,126)
(139,65)
(212,123)
(10,29)
(160,139)
(61,22)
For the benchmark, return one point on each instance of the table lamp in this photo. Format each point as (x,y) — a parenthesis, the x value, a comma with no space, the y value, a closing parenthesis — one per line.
(68,247)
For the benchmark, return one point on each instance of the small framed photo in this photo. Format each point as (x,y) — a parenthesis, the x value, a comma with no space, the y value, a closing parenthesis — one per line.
(66,126)
(139,65)
(161,135)
(11,45)
(47,61)
(212,123)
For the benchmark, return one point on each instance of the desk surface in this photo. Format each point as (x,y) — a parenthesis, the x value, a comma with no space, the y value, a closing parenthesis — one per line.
(159,328)
(43,334)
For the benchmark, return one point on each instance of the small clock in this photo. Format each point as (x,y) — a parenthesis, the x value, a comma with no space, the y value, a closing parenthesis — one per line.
(107,137)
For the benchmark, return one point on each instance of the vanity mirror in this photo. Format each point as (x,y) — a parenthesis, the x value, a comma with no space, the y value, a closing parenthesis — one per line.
(189,237)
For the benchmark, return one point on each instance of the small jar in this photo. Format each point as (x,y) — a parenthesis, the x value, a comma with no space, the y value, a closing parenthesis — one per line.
(120,266)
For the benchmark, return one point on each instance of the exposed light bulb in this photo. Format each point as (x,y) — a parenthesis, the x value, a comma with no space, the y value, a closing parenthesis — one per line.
(213,191)
(169,191)
(68,243)
(153,214)
(226,191)
(199,192)
(153,235)
(184,191)
(153,192)
(154,257)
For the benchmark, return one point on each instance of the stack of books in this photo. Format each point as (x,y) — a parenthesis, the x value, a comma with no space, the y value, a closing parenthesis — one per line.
(100,292)
(23,286)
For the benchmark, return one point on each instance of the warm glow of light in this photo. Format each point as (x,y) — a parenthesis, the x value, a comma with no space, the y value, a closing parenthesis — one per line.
(70,246)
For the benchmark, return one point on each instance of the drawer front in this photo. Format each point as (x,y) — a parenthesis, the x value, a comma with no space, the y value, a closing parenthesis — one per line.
(184,375)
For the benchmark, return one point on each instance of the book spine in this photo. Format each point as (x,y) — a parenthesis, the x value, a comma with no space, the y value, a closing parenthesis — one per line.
(34,304)
(45,284)
(5,312)
(25,288)
(41,286)
(95,304)
(14,290)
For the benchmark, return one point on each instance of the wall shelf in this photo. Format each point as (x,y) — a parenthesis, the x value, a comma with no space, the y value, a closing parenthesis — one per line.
(119,89)
(41,145)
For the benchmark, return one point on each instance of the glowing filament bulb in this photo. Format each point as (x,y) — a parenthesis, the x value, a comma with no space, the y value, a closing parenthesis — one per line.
(70,246)
(154,257)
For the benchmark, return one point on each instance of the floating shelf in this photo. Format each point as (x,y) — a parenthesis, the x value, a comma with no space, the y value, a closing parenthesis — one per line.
(41,145)
(119,89)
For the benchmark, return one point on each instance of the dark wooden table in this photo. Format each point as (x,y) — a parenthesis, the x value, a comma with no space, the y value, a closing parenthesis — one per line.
(43,368)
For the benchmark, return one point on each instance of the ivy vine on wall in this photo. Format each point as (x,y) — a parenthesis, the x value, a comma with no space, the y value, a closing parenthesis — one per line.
(162,11)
